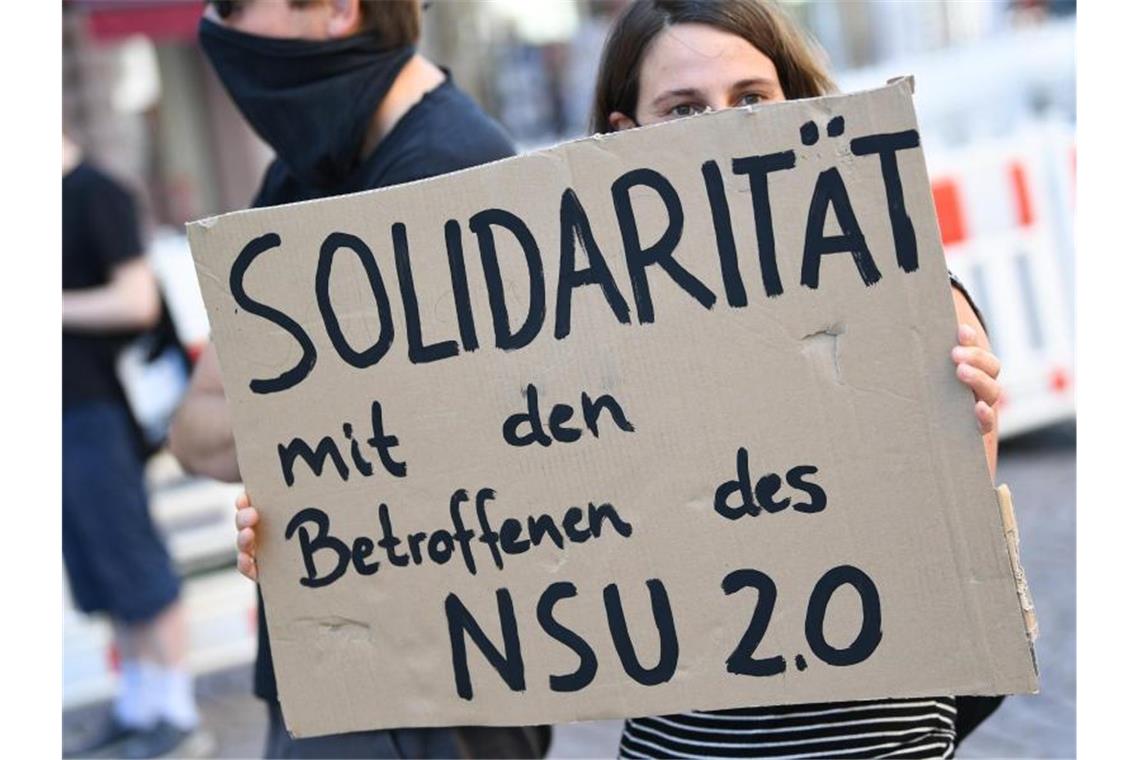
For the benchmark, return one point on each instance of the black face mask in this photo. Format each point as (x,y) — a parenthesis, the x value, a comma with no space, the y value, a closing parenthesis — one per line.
(310,100)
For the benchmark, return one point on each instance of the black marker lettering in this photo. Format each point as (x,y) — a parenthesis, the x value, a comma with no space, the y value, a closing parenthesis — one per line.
(382,443)
(814,491)
(576,231)
(758,168)
(481,225)
(588,667)
(530,417)
(389,542)
(462,294)
(570,526)
(666,630)
(363,466)
(725,240)
(361,550)
(508,663)
(870,633)
(638,257)
(418,353)
(509,534)
(595,515)
(592,409)
(440,546)
(310,546)
(308,360)
(374,353)
(560,414)
(741,660)
(742,484)
(766,489)
(831,192)
(326,450)
(888,146)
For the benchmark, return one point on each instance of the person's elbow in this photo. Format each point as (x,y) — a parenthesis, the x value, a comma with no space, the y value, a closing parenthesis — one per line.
(196,451)
(180,441)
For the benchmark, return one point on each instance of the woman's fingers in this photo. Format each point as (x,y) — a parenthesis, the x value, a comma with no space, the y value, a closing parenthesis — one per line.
(985,388)
(978,358)
(978,368)
(246,518)
(247,541)
(246,566)
(987,419)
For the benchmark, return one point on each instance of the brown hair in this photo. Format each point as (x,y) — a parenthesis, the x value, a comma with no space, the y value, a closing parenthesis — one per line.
(395,22)
(796,56)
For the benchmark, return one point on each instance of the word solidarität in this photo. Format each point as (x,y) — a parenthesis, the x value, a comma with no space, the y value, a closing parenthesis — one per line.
(490,227)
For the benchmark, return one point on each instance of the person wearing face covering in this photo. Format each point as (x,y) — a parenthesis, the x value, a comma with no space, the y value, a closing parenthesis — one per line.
(339,92)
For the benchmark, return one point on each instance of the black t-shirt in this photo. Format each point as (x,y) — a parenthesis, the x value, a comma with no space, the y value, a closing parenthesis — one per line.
(100,231)
(445,132)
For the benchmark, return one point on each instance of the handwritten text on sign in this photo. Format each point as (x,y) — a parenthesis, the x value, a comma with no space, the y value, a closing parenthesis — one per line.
(633,425)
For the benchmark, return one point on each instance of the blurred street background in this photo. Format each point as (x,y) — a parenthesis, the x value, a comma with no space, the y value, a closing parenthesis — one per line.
(997,108)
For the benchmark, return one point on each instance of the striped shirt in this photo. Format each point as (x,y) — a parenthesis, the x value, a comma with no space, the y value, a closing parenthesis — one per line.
(899,728)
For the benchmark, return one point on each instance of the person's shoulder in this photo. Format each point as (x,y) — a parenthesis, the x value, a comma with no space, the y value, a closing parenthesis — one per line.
(277,186)
(452,132)
(92,179)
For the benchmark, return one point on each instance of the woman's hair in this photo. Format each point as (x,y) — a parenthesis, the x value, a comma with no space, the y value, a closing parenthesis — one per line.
(764,26)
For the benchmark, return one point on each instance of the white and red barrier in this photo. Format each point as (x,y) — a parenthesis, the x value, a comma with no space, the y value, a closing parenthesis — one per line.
(1005,208)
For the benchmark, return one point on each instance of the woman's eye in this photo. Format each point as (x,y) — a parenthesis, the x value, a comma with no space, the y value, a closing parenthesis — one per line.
(751,99)
(684,109)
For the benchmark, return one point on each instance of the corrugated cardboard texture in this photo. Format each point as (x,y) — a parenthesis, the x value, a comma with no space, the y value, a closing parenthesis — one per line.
(851,379)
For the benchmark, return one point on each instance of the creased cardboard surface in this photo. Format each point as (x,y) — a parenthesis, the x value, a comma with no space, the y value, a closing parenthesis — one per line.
(850,379)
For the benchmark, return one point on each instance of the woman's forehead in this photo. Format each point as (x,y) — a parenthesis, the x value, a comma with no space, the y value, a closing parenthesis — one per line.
(701,57)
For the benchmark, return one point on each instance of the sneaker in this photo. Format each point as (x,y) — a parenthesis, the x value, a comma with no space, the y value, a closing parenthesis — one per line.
(167,740)
(108,735)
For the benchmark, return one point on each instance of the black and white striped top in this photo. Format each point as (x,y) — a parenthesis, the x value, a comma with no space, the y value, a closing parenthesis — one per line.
(899,728)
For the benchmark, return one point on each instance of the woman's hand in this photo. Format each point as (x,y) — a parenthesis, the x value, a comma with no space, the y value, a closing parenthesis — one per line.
(978,370)
(245,520)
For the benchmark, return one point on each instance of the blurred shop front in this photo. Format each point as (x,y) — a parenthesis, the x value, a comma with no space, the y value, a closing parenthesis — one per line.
(140,97)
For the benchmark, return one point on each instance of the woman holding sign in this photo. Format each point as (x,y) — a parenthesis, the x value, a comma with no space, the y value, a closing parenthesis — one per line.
(667,59)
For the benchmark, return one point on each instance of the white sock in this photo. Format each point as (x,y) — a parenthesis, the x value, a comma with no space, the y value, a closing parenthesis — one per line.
(175,698)
(134,704)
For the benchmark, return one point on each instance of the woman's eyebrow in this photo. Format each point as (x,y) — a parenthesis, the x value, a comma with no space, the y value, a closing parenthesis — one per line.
(753,82)
(687,92)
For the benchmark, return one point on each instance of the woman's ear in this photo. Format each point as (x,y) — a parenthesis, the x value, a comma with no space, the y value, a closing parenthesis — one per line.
(344,18)
(620,121)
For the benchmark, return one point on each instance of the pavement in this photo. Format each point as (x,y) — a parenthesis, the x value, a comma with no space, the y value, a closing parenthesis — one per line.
(1041,472)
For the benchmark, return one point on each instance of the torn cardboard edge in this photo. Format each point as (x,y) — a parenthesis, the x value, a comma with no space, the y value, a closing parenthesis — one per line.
(907,79)
(209,222)
(1013,546)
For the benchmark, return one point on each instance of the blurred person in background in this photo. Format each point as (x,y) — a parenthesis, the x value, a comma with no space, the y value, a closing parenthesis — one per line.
(116,562)
(339,92)
(667,59)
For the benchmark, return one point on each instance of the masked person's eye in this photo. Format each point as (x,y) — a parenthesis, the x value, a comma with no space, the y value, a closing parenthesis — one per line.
(751,99)
(225,8)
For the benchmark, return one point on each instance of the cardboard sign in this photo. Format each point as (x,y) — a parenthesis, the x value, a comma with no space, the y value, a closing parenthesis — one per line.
(639,424)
